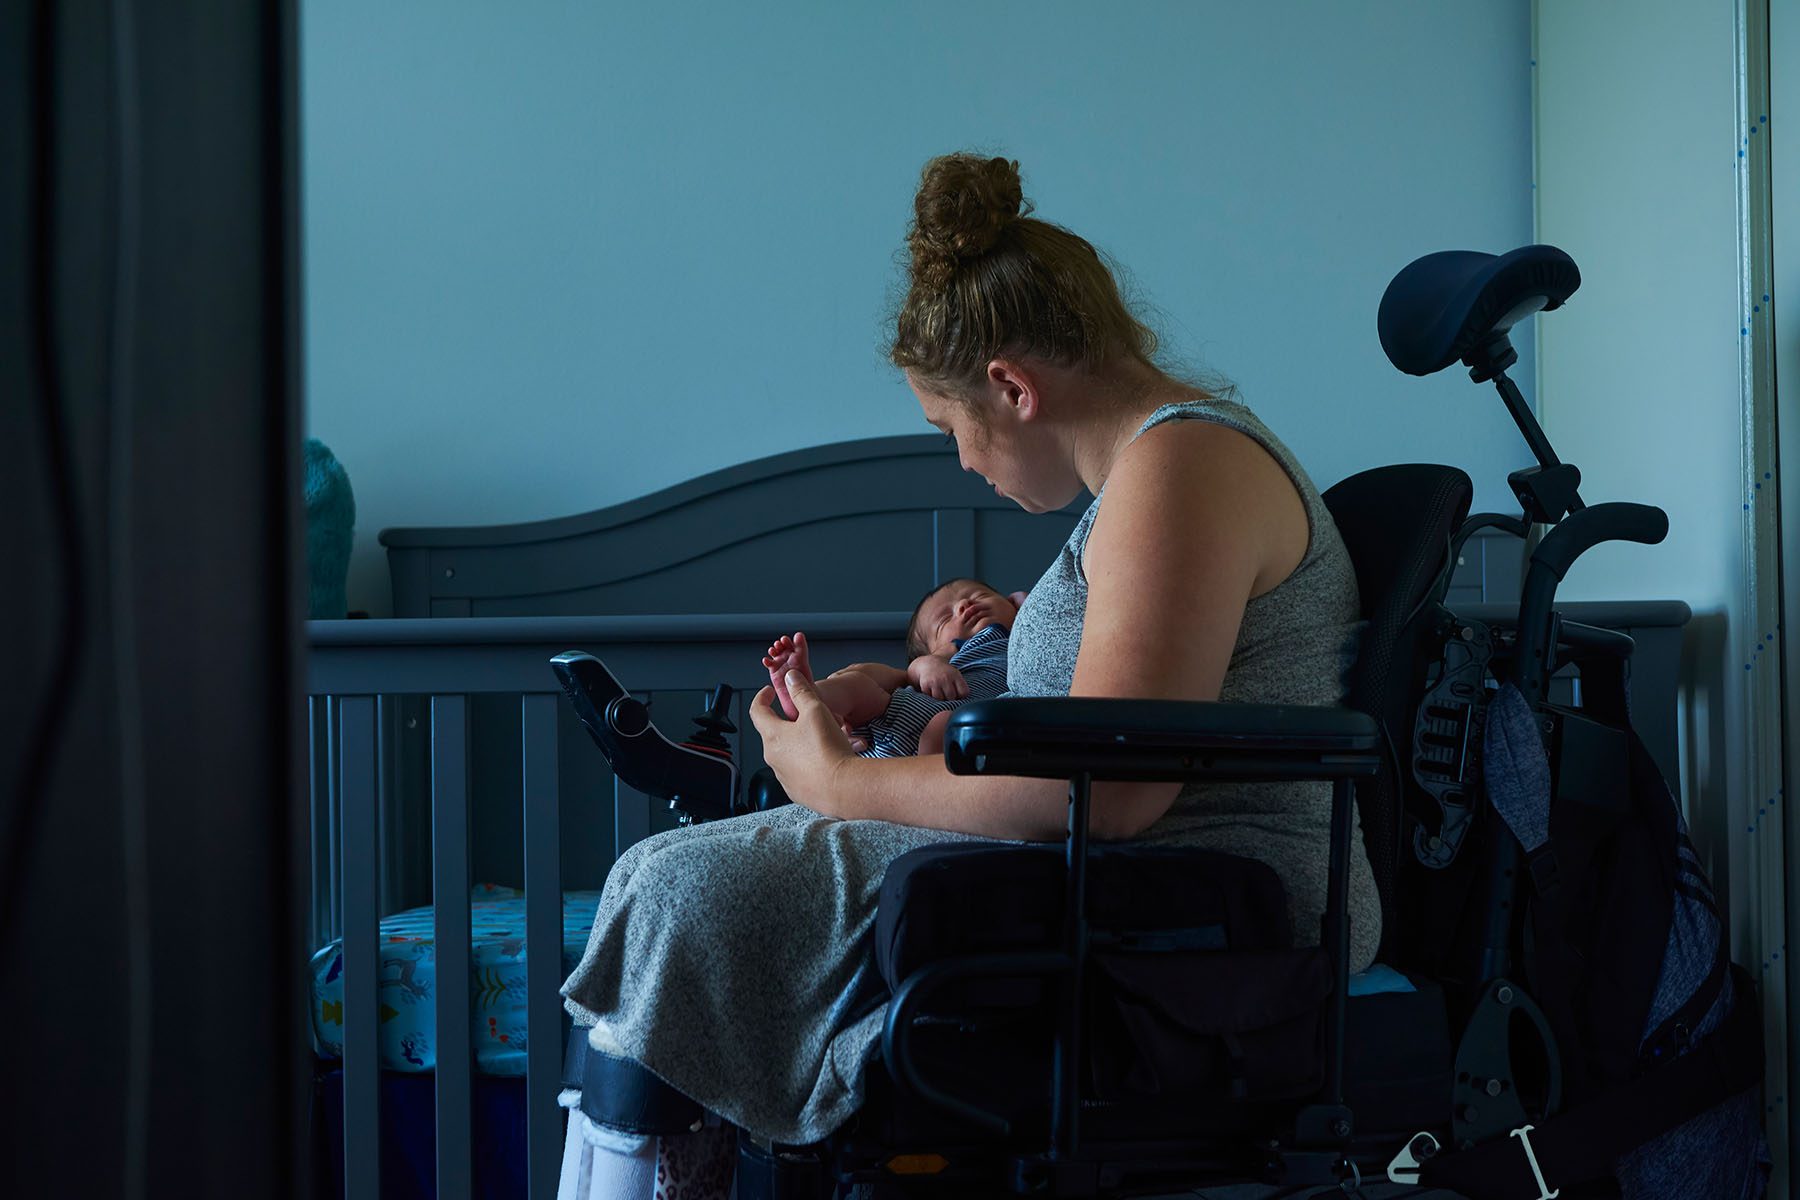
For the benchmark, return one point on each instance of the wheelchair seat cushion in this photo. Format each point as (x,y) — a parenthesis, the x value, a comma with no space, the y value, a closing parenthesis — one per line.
(968,898)
(1444,305)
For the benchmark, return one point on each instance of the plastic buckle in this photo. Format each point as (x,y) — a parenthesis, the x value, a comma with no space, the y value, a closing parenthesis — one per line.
(1545,876)
(1544,1192)
(1405,1167)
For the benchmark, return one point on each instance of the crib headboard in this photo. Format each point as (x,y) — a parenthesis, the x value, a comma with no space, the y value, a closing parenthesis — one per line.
(861,526)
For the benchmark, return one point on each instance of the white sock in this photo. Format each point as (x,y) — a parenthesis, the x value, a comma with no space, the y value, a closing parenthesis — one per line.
(594,1172)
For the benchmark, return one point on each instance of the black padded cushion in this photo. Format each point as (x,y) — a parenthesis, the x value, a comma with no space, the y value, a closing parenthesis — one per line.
(1397,523)
(1398,1058)
(1397,1078)
(1443,306)
(1195,989)
(967,898)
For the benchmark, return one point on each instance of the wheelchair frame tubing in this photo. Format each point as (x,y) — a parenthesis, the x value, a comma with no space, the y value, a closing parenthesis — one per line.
(1066,1088)
(1534,653)
(1337,937)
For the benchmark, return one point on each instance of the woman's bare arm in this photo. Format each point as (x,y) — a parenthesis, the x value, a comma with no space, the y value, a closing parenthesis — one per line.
(1198,519)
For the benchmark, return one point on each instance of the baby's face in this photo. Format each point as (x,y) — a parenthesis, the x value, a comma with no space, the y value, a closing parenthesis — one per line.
(958,613)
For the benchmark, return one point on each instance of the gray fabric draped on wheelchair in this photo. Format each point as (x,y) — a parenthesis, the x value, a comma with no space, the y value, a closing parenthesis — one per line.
(1127,1020)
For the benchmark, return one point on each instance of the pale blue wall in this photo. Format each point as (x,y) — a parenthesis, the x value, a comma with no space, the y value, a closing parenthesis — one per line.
(1641,159)
(558,255)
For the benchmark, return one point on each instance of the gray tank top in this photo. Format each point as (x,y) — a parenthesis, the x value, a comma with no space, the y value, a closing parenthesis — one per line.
(1295,646)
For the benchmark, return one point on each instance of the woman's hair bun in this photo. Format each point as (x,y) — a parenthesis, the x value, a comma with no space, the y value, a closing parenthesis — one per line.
(965,202)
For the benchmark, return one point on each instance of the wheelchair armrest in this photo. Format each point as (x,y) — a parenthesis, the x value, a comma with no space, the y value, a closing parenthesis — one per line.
(1061,737)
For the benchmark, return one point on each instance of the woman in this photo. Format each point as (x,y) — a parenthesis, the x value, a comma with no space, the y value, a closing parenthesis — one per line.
(734,959)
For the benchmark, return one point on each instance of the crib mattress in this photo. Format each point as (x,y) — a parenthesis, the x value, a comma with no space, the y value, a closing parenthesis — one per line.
(406,999)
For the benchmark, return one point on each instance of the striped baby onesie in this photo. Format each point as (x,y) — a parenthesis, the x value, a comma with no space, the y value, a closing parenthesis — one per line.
(982,661)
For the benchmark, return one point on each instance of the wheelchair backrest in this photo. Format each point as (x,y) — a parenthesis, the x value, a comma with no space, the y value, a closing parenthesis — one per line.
(1397,522)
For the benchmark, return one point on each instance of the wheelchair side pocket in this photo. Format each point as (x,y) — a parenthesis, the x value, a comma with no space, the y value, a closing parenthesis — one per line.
(1245,1024)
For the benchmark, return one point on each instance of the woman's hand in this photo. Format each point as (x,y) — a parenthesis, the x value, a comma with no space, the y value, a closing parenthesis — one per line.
(808,754)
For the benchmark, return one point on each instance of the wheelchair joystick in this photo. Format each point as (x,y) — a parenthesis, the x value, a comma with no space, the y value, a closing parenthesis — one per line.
(711,726)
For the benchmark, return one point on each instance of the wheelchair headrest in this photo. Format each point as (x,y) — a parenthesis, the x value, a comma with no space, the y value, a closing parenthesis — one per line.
(1444,306)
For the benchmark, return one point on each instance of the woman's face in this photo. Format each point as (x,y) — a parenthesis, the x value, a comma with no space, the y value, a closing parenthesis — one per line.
(995,442)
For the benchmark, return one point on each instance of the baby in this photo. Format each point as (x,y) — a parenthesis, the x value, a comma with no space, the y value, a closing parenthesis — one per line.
(956,642)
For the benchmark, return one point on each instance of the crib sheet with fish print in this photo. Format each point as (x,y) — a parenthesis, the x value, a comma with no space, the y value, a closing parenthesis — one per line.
(408,1039)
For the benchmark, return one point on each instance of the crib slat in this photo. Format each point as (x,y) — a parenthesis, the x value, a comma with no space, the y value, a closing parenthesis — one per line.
(631,816)
(334,816)
(362,961)
(318,743)
(393,870)
(543,947)
(953,544)
(749,745)
(631,808)
(450,905)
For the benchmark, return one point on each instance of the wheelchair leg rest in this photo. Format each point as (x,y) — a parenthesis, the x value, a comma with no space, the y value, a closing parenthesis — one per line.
(620,1094)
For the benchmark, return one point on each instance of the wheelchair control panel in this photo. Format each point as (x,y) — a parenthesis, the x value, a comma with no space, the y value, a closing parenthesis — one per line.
(697,777)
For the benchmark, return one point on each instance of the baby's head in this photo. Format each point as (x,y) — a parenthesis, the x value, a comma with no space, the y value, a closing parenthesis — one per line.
(954,612)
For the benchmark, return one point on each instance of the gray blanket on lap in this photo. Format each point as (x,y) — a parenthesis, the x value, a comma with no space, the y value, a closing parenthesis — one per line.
(768,1017)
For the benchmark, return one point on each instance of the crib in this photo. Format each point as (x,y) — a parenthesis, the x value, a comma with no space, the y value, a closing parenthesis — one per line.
(443,757)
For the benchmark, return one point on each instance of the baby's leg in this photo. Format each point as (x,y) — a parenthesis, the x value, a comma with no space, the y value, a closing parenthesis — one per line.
(931,741)
(854,698)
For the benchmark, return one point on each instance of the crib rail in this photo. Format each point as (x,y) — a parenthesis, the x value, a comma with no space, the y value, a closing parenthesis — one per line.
(356,671)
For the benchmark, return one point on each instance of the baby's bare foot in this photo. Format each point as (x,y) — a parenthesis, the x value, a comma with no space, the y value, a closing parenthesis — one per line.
(787,654)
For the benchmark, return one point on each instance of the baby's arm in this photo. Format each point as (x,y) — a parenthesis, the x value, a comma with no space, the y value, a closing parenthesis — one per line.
(937,678)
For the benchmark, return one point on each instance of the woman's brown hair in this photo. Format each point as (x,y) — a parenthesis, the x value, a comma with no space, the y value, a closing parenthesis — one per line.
(987,278)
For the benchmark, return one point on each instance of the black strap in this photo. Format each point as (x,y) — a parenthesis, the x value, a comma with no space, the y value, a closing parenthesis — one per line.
(1585,1143)
(621,1094)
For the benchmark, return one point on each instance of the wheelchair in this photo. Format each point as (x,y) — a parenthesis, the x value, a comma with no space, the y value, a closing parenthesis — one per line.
(1133,1020)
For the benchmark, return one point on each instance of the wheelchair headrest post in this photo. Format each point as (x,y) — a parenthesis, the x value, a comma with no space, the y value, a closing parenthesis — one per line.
(1490,359)
(1558,495)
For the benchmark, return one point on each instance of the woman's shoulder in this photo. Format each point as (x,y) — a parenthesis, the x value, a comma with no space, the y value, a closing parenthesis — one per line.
(1212,424)
(1202,458)
(1205,474)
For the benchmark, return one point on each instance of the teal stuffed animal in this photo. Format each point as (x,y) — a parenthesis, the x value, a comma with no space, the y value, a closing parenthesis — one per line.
(330,529)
